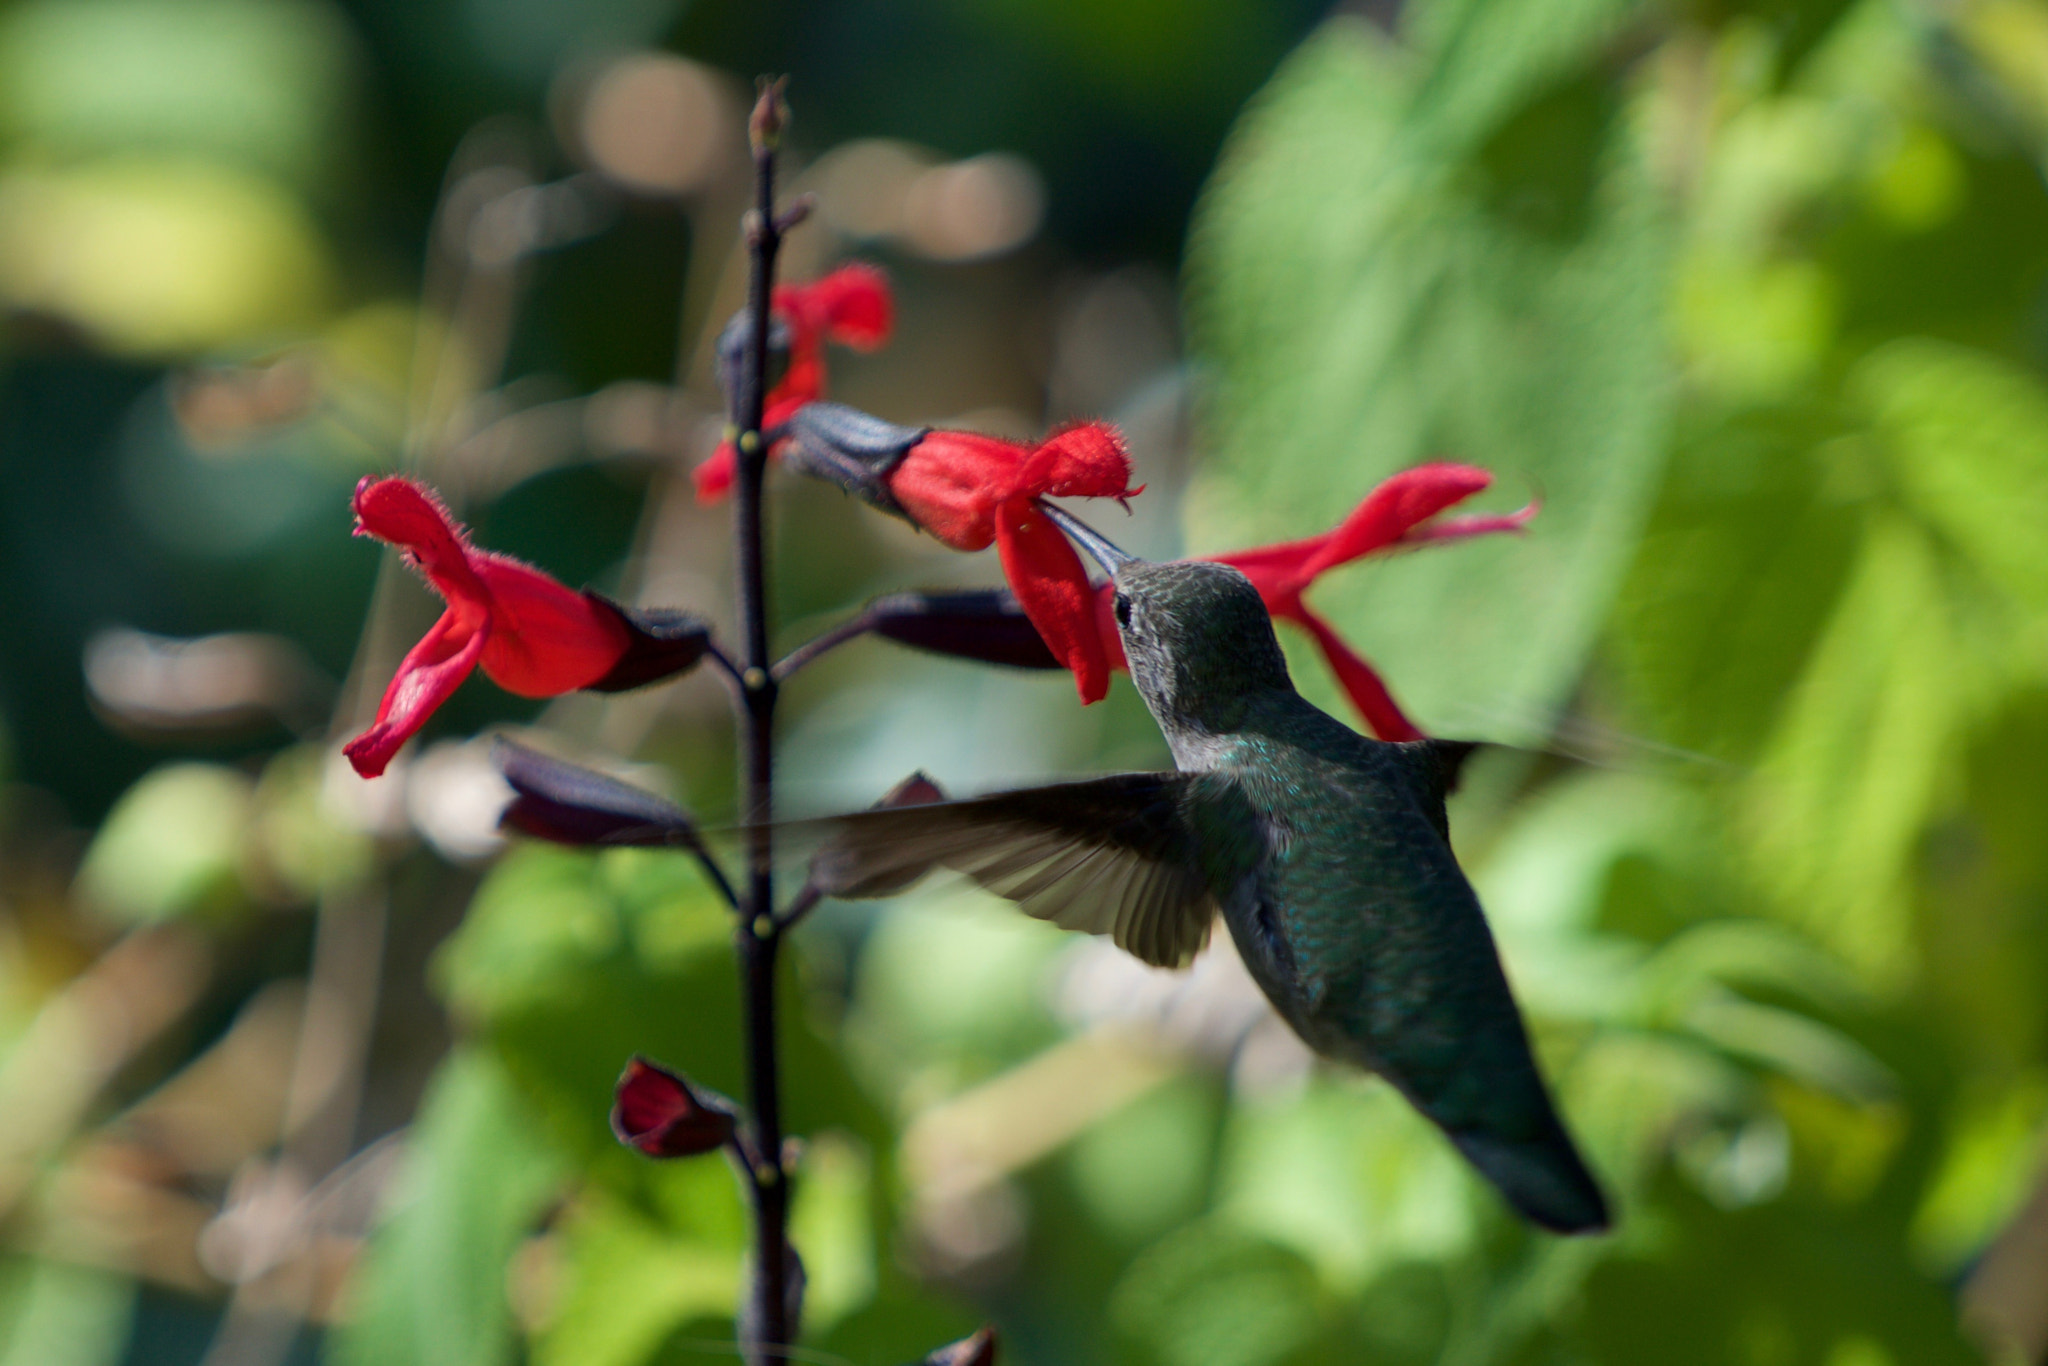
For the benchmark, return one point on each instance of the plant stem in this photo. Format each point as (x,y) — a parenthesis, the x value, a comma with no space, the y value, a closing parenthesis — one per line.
(759,936)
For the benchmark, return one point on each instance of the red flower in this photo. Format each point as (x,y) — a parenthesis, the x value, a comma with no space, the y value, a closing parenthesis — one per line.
(968,489)
(531,635)
(1393,516)
(852,307)
(664,1115)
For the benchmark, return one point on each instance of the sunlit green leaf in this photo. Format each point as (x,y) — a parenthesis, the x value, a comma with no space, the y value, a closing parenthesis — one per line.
(1862,752)
(161,257)
(1967,438)
(1370,295)
(173,846)
(832,1222)
(1349,1176)
(627,1285)
(1211,1296)
(433,1290)
(1143,1169)
(1991,1163)
(1733,578)
(52,1314)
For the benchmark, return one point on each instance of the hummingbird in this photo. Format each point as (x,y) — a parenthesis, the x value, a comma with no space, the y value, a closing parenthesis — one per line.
(1327,854)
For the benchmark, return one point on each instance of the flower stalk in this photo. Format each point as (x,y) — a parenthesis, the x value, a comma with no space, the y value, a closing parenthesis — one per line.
(758,934)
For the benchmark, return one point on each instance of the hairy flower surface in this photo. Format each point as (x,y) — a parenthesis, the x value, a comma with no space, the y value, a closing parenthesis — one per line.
(852,307)
(1400,513)
(968,490)
(530,634)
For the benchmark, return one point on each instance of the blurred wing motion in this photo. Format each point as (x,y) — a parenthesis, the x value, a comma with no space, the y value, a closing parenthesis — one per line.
(1108,856)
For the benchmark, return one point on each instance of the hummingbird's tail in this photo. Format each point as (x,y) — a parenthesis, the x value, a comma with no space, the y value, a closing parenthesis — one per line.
(1541,1177)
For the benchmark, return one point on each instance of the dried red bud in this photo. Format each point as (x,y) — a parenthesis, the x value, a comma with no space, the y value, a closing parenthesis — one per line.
(663,1115)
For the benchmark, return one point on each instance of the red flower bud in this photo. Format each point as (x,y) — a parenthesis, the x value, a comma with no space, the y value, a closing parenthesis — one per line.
(664,1115)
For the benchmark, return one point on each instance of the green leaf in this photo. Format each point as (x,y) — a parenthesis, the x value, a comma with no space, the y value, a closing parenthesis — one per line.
(1732,582)
(1211,1296)
(629,1284)
(832,1224)
(570,963)
(1966,436)
(1350,1177)
(1863,752)
(1987,1171)
(432,1289)
(172,846)
(52,1314)
(1397,261)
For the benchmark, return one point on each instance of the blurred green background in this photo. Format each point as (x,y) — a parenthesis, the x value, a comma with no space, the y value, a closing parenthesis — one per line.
(298,1068)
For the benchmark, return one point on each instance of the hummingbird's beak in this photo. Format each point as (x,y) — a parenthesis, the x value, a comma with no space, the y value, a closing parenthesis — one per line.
(1088,538)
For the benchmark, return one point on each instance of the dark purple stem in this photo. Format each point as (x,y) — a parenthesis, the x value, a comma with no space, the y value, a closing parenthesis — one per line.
(831,640)
(759,934)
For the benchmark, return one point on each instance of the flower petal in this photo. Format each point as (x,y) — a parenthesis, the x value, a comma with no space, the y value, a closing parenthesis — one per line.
(1084,461)
(545,638)
(1464,528)
(1277,571)
(1394,509)
(1053,589)
(951,483)
(714,477)
(411,517)
(1363,685)
(430,672)
(852,306)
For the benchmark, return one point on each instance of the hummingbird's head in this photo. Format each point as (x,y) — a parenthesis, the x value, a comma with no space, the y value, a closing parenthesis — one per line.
(1198,638)
(1199,641)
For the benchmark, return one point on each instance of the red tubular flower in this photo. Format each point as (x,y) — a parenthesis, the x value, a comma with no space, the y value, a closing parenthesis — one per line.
(968,490)
(531,635)
(851,307)
(1395,515)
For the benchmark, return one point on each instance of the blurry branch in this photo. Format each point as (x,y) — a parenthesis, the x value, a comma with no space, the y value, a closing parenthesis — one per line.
(631,417)
(1006,1124)
(230,681)
(84,1035)
(270,1215)
(491,218)
(113,1207)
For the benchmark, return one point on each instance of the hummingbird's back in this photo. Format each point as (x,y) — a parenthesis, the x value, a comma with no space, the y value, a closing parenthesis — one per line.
(1392,964)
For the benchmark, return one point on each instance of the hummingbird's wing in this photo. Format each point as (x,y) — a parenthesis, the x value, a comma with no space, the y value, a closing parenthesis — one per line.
(1109,856)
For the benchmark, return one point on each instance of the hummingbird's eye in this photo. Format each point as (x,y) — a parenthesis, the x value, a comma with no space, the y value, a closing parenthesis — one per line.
(1123,610)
